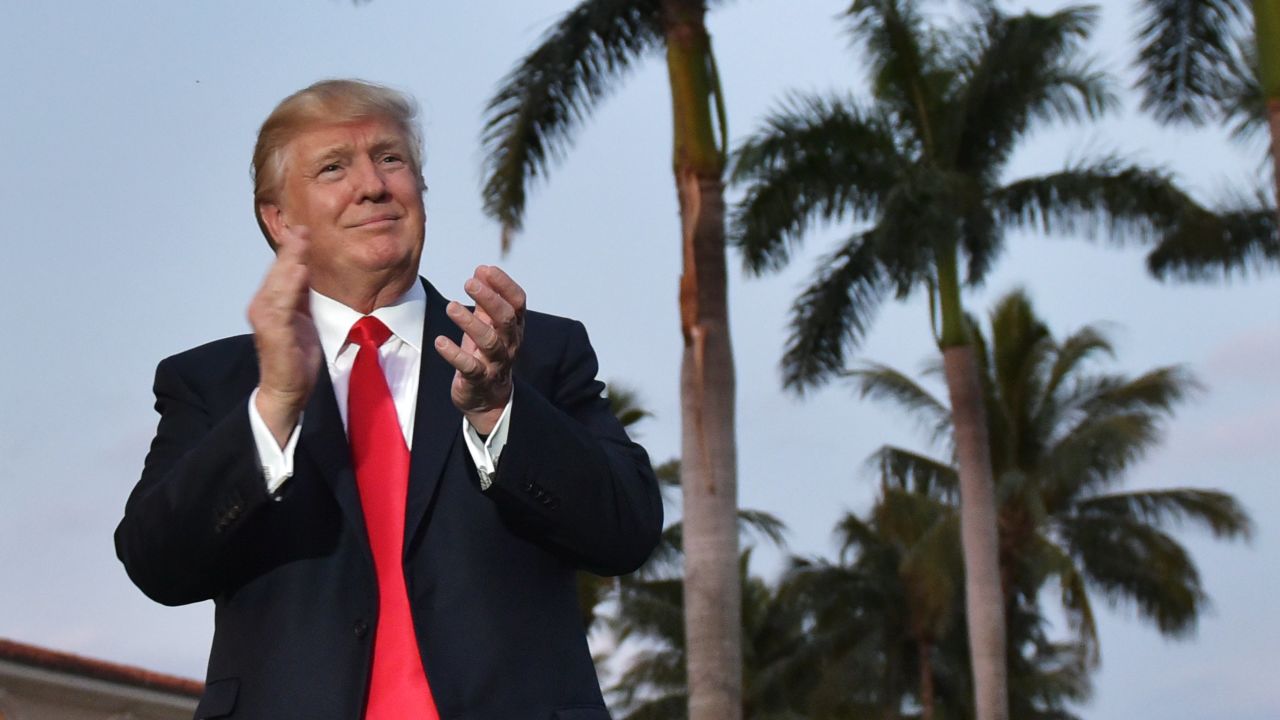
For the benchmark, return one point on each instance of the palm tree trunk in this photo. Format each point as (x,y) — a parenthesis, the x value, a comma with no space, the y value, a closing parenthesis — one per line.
(983,597)
(923,649)
(708,466)
(984,602)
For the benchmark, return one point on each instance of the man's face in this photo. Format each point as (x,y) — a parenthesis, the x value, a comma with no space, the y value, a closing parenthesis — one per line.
(353,188)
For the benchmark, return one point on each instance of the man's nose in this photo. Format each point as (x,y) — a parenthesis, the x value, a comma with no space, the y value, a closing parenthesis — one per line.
(369,179)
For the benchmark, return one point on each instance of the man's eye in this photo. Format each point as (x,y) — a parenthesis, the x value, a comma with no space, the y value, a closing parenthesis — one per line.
(392,159)
(331,167)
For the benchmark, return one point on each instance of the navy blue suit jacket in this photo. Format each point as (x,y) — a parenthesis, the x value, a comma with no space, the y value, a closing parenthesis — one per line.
(490,574)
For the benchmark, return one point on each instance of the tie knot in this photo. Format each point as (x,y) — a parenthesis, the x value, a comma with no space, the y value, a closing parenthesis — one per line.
(368,332)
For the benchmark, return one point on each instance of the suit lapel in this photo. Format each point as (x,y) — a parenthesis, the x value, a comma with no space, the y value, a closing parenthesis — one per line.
(437,423)
(324,440)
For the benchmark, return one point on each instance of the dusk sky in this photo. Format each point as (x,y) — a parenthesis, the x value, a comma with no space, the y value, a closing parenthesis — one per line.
(129,236)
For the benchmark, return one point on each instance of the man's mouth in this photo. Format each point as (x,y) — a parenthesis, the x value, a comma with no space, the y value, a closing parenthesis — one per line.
(376,221)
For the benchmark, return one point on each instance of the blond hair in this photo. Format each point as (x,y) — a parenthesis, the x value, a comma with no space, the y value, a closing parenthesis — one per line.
(327,102)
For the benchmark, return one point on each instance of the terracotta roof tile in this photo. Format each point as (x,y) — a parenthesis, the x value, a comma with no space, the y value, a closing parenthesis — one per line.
(99,669)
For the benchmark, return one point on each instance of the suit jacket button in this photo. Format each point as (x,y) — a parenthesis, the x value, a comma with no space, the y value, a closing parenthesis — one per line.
(362,628)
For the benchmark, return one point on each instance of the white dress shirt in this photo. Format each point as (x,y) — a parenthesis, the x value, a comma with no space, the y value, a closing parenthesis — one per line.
(401,359)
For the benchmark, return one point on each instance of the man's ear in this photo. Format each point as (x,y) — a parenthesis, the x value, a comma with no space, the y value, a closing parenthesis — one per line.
(272,223)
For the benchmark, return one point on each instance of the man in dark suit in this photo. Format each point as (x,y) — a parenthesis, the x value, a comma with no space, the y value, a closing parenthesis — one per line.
(386,532)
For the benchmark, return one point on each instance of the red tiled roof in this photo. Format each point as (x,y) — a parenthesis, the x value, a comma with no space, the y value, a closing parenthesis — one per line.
(98,669)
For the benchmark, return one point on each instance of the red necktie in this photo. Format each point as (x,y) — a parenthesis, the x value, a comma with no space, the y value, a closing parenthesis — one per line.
(398,686)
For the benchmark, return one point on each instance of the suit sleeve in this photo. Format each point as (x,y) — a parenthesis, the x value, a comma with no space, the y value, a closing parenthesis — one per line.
(569,472)
(200,483)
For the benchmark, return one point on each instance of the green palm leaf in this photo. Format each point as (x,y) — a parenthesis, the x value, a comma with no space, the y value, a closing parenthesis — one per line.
(1133,562)
(1024,69)
(530,119)
(1108,197)
(814,158)
(1243,236)
(1188,52)
(894,36)
(832,314)
(1217,511)
(907,470)
(881,382)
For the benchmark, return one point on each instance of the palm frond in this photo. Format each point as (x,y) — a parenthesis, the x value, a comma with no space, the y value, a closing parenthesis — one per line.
(1243,104)
(652,608)
(1217,511)
(894,35)
(815,158)
(1130,561)
(1108,197)
(530,119)
(653,681)
(1206,245)
(1187,50)
(1069,356)
(762,525)
(917,473)
(1021,69)
(666,558)
(624,403)
(1021,347)
(1074,596)
(668,474)
(854,534)
(881,382)
(1155,392)
(1102,424)
(932,572)
(1095,454)
(832,315)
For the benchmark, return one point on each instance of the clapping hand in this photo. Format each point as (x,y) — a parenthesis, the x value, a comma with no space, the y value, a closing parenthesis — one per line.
(289,353)
(482,383)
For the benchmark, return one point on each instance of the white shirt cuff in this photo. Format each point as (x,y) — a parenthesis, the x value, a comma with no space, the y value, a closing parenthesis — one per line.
(484,453)
(276,461)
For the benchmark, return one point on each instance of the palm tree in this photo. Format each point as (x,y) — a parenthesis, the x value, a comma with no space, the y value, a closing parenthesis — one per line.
(890,599)
(529,121)
(920,169)
(1062,439)
(885,619)
(649,602)
(1202,62)
(649,607)
(654,685)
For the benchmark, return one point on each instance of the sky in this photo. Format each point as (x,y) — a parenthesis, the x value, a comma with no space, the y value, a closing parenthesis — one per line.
(128,236)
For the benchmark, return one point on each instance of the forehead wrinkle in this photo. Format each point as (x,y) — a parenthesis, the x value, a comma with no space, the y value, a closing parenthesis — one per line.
(388,142)
(382,138)
(345,148)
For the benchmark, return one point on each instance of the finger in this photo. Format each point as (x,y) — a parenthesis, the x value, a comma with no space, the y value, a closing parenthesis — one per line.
(293,243)
(464,362)
(500,312)
(477,328)
(496,278)
(287,281)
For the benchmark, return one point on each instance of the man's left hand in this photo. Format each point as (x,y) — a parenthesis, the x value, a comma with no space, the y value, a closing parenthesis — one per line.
(491,338)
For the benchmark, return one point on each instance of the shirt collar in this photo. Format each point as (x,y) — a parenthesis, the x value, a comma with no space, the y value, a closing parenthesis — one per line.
(404,318)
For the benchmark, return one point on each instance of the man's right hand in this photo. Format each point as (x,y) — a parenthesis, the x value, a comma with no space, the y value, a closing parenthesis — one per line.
(289,353)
